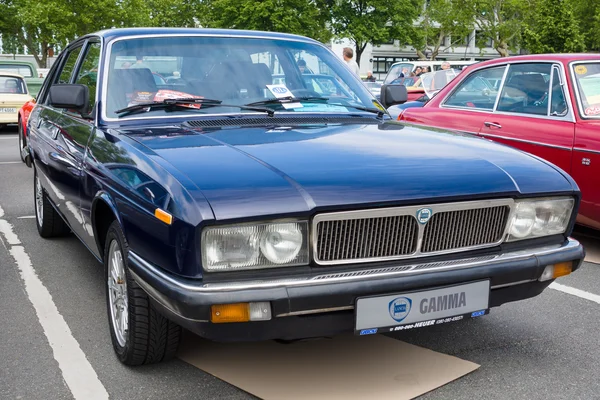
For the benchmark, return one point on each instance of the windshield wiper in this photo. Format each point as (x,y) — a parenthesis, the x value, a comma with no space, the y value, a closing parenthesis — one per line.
(287,99)
(371,110)
(290,99)
(183,102)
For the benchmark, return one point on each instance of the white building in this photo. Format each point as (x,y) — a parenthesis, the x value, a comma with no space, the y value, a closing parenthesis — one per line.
(379,58)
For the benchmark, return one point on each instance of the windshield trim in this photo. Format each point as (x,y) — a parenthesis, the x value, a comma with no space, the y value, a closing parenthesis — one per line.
(243,115)
(580,109)
(107,54)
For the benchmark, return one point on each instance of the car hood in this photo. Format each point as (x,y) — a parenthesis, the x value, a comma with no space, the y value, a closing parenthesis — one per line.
(261,171)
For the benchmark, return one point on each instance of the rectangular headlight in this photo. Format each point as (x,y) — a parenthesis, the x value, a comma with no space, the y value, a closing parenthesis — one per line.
(254,246)
(540,217)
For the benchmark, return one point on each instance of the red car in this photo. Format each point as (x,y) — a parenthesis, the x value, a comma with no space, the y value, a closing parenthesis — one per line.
(23,117)
(547,105)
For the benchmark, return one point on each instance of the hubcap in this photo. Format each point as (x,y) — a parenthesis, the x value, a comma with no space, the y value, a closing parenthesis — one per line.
(117,293)
(39,201)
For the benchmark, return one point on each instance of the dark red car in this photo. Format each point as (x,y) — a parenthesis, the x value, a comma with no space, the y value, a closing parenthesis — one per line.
(547,105)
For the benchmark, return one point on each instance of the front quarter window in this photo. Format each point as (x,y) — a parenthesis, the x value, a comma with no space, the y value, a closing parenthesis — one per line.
(477,90)
(225,75)
(587,85)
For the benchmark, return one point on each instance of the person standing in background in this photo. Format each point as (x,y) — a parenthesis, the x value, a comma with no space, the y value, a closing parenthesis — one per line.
(348,53)
(370,77)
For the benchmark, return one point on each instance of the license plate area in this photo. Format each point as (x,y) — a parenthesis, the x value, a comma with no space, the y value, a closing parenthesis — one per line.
(394,312)
(7,110)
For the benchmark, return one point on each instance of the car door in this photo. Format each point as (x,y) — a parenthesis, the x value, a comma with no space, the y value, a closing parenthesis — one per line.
(469,104)
(585,167)
(75,129)
(533,113)
(56,168)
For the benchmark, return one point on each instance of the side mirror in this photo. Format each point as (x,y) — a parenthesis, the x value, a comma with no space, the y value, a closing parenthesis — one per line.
(72,97)
(393,94)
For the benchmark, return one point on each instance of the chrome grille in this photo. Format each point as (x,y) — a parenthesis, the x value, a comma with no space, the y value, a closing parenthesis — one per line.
(366,238)
(464,228)
(395,233)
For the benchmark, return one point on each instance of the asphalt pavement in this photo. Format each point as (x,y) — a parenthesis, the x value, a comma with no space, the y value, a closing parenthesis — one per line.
(542,348)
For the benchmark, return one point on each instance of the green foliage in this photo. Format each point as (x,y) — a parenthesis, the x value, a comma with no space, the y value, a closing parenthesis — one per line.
(587,14)
(499,20)
(439,20)
(373,21)
(40,25)
(553,28)
(304,17)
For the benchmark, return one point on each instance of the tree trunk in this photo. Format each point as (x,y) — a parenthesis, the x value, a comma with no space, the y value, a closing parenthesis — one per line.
(359,49)
(421,55)
(502,48)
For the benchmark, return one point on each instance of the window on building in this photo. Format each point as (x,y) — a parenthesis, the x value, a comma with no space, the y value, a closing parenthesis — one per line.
(482,40)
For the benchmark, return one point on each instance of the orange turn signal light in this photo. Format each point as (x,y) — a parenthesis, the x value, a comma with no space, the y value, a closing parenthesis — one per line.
(562,269)
(163,216)
(237,312)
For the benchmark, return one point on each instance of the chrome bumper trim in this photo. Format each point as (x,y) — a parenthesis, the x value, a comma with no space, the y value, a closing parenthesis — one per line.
(377,273)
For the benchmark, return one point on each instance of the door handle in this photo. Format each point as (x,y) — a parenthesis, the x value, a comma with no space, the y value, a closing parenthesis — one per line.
(492,125)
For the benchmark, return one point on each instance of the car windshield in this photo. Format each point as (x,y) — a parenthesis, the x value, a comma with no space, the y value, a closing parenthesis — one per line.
(396,71)
(12,84)
(21,69)
(587,82)
(224,74)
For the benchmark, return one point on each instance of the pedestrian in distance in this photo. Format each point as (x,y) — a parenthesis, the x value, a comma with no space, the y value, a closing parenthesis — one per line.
(348,54)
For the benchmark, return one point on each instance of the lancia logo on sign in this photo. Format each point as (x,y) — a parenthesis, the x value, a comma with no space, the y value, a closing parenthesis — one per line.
(423,215)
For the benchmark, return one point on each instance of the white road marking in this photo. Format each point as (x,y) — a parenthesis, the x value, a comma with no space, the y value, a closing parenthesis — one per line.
(77,372)
(11,162)
(575,292)
(26,217)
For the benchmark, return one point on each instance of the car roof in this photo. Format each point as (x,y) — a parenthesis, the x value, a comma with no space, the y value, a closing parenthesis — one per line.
(111,34)
(564,58)
(11,74)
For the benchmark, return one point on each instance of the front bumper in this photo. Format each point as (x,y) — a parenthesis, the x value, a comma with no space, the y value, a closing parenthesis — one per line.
(322,304)
(9,118)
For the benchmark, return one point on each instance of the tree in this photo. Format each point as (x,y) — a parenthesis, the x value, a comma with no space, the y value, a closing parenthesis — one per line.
(440,19)
(587,14)
(500,21)
(373,21)
(302,17)
(39,26)
(553,28)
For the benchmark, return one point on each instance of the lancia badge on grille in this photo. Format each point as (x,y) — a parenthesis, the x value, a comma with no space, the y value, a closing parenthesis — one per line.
(423,215)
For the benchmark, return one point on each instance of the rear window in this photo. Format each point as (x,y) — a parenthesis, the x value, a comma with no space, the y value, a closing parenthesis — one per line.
(11,84)
(587,84)
(21,69)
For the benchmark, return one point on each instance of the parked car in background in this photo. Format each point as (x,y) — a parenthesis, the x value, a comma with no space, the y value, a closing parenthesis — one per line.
(375,88)
(27,70)
(426,86)
(243,210)
(547,105)
(13,94)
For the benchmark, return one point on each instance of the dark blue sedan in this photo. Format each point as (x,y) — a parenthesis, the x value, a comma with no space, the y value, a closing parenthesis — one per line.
(247,208)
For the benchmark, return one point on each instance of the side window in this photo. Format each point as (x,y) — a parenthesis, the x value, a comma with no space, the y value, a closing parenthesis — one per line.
(88,72)
(558,102)
(526,89)
(68,66)
(478,90)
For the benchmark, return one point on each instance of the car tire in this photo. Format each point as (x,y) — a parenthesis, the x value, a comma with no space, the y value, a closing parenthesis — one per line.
(49,222)
(139,333)
(22,141)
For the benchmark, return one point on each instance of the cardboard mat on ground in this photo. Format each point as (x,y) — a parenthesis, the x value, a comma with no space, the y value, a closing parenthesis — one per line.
(345,367)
